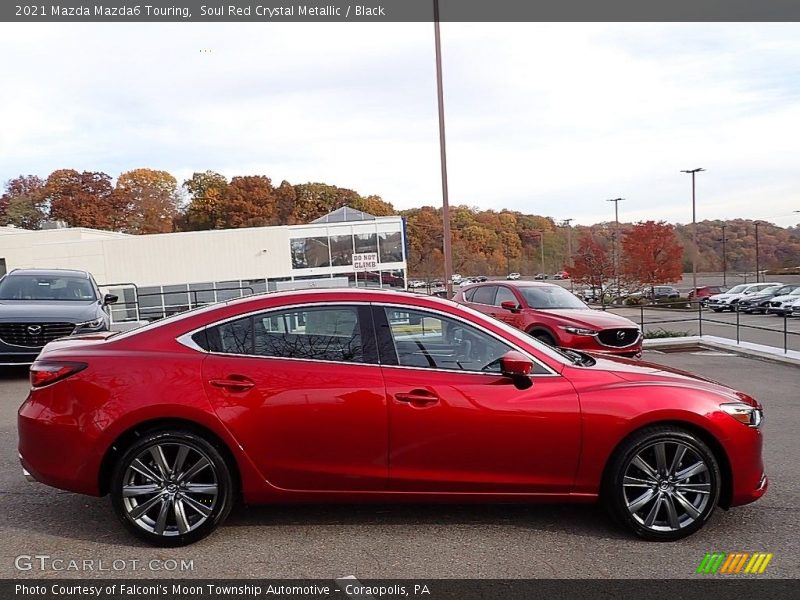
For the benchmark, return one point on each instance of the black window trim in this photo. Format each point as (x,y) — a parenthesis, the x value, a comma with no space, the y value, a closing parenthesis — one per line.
(365,323)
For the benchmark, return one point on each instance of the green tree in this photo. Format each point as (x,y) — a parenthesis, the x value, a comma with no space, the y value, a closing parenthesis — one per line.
(23,204)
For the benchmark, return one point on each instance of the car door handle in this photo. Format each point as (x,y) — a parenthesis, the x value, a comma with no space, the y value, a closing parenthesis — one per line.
(417,397)
(235,385)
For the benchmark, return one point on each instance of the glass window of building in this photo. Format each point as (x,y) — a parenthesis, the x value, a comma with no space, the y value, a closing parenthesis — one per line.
(366,242)
(391,246)
(341,250)
(308,253)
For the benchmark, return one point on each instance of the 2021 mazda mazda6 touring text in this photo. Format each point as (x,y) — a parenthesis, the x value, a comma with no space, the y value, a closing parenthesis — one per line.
(363,395)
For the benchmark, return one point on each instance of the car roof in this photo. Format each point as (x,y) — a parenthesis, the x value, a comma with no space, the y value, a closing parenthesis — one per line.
(515,283)
(50,272)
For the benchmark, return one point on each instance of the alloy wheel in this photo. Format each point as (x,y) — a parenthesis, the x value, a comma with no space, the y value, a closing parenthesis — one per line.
(170,489)
(667,486)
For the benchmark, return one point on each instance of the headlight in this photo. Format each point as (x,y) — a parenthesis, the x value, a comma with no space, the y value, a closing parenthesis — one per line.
(94,324)
(744,413)
(579,331)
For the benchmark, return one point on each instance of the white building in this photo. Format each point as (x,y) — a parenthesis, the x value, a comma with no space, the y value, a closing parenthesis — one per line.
(160,273)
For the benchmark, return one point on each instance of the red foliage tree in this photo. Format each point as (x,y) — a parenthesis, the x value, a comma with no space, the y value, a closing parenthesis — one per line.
(652,254)
(83,199)
(591,263)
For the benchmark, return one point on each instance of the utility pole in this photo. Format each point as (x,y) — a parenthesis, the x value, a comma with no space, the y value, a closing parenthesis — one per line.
(693,172)
(541,241)
(566,223)
(616,202)
(724,259)
(757,274)
(448,254)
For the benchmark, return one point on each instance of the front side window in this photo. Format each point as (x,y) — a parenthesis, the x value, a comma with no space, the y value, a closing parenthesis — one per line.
(316,333)
(427,340)
(504,295)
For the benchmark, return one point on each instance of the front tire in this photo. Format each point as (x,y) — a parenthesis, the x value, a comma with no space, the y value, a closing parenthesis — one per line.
(172,488)
(663,484)
(544,337)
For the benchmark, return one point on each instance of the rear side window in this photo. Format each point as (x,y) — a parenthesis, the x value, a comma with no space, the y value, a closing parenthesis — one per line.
(484,294)
(317,333)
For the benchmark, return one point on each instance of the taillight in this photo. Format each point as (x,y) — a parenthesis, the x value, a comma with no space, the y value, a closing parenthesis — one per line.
(49,371)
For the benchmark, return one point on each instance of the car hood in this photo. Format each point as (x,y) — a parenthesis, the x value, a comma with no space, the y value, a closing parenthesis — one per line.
(643,371)
(725,296)
(786,298)
(592,319)
(756,297)
(32,310)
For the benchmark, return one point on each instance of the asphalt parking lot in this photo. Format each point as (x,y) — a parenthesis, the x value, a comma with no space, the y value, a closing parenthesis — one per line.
(413,541)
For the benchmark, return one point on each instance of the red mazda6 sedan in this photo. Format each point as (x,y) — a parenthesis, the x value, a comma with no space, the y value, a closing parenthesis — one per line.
(362,395)
(554,316)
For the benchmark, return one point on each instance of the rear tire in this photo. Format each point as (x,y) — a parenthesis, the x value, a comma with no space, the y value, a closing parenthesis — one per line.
(171,488)
(662,483)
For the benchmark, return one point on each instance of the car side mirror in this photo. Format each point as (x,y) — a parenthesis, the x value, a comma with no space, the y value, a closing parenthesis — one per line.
(510,305)
(110,299)
(518,367)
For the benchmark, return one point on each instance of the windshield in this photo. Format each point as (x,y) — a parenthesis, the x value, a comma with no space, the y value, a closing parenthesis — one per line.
(794,292)
(47,287)
(737,289)
(550,297)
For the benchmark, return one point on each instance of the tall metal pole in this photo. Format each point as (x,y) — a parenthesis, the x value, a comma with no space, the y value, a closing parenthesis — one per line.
(724,260)
(541,240)
(693,172)
(757,275)
(616,202)
(569,251)
(448,256)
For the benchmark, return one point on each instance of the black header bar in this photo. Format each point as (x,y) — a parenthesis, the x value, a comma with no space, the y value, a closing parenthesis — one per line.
(381,11)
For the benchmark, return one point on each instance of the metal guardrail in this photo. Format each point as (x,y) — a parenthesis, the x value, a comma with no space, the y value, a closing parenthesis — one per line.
(168,309)
(699,318)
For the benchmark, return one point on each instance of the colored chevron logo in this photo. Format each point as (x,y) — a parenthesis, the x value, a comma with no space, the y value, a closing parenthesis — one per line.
(734,563)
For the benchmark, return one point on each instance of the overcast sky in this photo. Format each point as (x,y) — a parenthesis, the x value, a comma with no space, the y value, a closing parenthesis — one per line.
(549,119)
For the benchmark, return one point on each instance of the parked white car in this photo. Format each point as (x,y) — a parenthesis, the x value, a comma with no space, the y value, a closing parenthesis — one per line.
(513,276)
(728,300)
(781,305)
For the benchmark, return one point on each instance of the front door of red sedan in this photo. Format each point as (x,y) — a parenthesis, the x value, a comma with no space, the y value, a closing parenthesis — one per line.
(457,425)
(301,391)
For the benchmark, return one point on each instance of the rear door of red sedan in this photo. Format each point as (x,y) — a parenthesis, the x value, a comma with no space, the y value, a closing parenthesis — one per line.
(301,390)
(457,425)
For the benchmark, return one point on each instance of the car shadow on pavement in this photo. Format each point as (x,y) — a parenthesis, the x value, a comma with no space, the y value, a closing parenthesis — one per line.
(580,520)
(77,517)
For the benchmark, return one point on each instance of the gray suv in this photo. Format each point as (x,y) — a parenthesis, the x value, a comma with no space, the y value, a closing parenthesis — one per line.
(38,306)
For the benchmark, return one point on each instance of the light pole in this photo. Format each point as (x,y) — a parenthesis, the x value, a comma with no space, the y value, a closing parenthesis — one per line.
(724,259)
(566,223)
(616,202)
(693,172)
(757,275)
(448,255)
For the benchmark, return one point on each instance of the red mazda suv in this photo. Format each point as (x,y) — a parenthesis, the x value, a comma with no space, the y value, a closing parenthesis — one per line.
(372,395)
(554,316)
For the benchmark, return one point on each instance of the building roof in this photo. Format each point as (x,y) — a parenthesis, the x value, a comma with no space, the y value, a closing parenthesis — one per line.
(345,214)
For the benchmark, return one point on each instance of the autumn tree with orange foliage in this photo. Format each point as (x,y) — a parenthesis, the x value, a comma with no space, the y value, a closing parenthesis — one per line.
(150,200)
(652,254)
(84,199)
